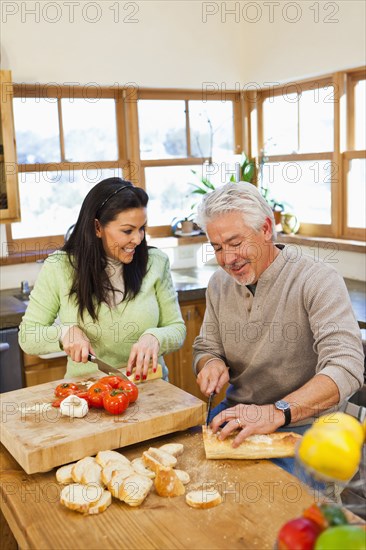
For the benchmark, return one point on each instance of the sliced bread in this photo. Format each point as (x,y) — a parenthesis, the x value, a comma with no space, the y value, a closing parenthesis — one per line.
(175,449)
(117,480)
(135,489)
(155,459)
(167,483)
(140,468)
(80,497)
(78,469)
(102,504)
(115,466)
(92,473)
(63,474)
(105,456)
(204,498)
(183,476)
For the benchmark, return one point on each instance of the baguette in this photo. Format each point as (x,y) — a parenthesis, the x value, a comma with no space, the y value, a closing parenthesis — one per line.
(81,497)
(63,474)
(175,449)
(183,476)
(167,483)
(77,470)
(204,499)
(92,473)
(115,466)
(156,459)
(275,445)
(117,480)
(139,467)
(102,504)
(135,489)
(106,456)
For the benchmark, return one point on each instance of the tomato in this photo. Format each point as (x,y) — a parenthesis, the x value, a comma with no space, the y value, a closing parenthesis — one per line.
(63,390)
(96,393)
(111,380)
(298,534)
(315,514)
(57,402)
(130,389)
(115,401)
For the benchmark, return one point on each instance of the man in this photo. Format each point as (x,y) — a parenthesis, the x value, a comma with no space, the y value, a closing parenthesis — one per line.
(278,326)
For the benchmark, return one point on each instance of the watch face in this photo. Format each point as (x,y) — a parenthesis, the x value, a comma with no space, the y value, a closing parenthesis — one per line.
(282,405)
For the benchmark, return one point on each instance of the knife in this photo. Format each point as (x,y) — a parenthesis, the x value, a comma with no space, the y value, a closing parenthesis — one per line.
(104,367)
(209,405)
(108,369)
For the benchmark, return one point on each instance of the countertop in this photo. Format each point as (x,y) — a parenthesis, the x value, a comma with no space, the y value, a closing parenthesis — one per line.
(190,284)
(251,490)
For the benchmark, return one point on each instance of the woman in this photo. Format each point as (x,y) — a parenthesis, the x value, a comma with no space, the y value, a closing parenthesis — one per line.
(110,294)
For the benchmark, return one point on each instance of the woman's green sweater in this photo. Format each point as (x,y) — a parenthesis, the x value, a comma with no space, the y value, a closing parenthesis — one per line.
(154,310)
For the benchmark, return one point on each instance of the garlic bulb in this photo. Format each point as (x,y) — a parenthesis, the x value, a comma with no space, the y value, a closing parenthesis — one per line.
(74,406)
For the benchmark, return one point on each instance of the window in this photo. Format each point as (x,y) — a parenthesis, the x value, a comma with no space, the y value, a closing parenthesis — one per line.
(179,134)
(66,143)
(311,135)
(296,134)
(354,158)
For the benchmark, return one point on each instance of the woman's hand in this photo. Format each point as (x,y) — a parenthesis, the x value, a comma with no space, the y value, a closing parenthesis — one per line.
(213,376)
(251,419)
(77,345)
(142,353)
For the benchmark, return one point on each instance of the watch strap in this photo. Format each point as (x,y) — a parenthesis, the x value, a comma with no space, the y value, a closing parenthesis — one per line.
(287,413)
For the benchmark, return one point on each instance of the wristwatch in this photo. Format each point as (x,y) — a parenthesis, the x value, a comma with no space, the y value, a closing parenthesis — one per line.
(286,409)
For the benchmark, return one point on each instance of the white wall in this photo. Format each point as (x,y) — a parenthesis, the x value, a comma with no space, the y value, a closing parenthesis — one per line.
(166,46)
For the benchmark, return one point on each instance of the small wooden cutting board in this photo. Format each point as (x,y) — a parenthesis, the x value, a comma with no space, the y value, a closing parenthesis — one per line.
(42,439)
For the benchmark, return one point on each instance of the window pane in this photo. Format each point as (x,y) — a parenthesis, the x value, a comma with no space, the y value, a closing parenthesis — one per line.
(280,124)
(316,120)
(170,193)
(360,115)
(162,128)
(89,129)
(50,201)
(211,121)
(37,130)
(303,188)
(356,198)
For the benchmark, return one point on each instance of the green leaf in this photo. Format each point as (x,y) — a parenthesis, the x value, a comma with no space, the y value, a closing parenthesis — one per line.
(199,192)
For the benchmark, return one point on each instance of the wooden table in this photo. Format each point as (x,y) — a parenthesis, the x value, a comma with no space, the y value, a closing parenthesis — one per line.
(258,498)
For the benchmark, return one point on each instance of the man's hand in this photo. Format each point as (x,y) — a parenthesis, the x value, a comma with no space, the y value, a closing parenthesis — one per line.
(145,350)
(251,419)
(213,377)
(77,345)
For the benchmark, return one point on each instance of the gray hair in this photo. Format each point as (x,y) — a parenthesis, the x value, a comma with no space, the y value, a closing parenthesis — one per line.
(241,197)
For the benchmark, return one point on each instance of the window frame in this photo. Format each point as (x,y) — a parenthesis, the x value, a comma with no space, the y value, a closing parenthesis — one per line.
(312,230)
(248,137)
(350,80)
(188,95)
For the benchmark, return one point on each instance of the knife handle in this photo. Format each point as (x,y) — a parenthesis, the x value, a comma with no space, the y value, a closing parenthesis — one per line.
(91,357)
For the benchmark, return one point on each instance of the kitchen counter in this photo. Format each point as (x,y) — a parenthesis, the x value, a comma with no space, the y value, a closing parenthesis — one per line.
(190,284)
(258,497)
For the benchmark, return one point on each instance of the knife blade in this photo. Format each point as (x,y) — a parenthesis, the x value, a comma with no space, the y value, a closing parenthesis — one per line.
(104,367)
(209,405)
(108,369)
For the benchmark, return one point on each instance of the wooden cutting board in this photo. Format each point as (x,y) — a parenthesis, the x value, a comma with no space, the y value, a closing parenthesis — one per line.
(43,439)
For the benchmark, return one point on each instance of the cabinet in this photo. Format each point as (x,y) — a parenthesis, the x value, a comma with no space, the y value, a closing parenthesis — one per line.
(9,193)
(180,362)
(40,371)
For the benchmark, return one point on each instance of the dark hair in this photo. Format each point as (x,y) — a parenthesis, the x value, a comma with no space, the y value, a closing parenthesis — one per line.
(85,250)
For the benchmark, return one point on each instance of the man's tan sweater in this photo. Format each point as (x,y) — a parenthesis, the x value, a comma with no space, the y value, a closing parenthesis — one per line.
(299,323)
